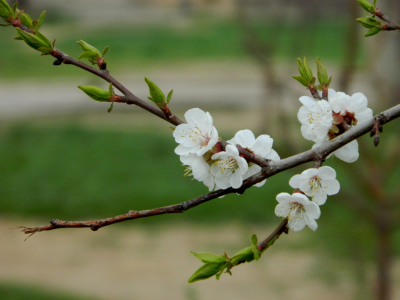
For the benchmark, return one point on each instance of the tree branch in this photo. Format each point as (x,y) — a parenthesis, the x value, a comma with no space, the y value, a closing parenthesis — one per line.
(269,169)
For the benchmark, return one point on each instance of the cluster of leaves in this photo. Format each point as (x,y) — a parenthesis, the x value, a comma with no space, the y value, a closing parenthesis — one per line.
(369,21)
(307,78)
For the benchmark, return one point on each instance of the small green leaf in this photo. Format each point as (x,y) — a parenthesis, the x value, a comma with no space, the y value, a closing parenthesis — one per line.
(26,20)
(367,6)
(5,10)
(156,94)
(322,73)
(206,271)
(373,31)
(88,55)
(207,257)
(169,96)
(14,8)
(110,89)
(307,69)
(41,19)
(254,239)
(87,47)
(368,22)
(95,92)
(38,42)
(111,107)
(245,255)
(105,50)
(301,80)
(256,252)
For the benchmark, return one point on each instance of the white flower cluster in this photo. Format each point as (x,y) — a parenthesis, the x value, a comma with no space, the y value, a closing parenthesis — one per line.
(323,120)
(315,183)
(200,152)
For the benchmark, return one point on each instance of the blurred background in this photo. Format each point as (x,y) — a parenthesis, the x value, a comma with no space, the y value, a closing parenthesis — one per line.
(63,156)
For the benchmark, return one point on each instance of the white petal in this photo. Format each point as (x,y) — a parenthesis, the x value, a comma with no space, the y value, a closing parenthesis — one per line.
(348,153)
(312,224)
(312,210)
(236,180)
(196,116)
(262,145)
(297,223)
(272,155)
(244,138)
(331,187)
(282,210)
(295,181)
(327,173)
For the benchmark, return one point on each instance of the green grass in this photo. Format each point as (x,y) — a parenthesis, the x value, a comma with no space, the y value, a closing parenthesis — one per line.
(144,45)
(68,172)
(13,291)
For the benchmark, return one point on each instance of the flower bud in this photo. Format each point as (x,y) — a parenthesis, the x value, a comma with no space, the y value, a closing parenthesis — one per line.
(96,93)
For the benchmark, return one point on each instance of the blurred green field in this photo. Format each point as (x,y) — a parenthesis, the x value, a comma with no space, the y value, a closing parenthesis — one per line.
(139,46)
(14,291)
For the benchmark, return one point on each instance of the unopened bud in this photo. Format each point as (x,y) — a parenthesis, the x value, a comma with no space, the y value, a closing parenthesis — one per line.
(96,93)
(157,96)
(367,6)
(5,10)
(36,41)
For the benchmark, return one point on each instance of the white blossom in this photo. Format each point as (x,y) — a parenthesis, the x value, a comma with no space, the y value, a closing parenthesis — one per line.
(299,210)
(356,105)
(315,118)
(229,168)
(199,168)
(262,146)
(317,183)
(197,136)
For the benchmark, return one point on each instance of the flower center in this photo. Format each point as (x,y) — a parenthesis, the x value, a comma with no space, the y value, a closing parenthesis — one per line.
(227,165)
(315,184)
(295,209)
(341,123)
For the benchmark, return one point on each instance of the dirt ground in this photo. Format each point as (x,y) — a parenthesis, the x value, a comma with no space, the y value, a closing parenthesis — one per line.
(124,263)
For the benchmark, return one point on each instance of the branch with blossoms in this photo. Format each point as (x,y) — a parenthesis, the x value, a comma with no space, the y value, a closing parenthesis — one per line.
(332,120)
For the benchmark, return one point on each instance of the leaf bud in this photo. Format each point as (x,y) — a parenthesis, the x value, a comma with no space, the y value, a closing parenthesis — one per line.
(322,73)
(157,96)
(367,6)
(5,10)
(208,270)
(96,93)
(245,255)
(207,257)
(36,41)
(373,31)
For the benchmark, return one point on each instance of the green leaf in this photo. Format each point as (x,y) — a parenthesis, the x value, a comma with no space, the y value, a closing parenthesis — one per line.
(207,257)
(95,92)
(169,96)
(14,8)
(110,89)
(26,20)
(43,38)
(111,107)
(245,255)
(322,73)
(5,10)
(368,22)
(373,31)
(88,55)
(41,18)
(367,6)
(254,239)
(105,50)
(87,47)
(156,94)
(35,41)
(206,271)
(256,252)
(301,80)
(308,69)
